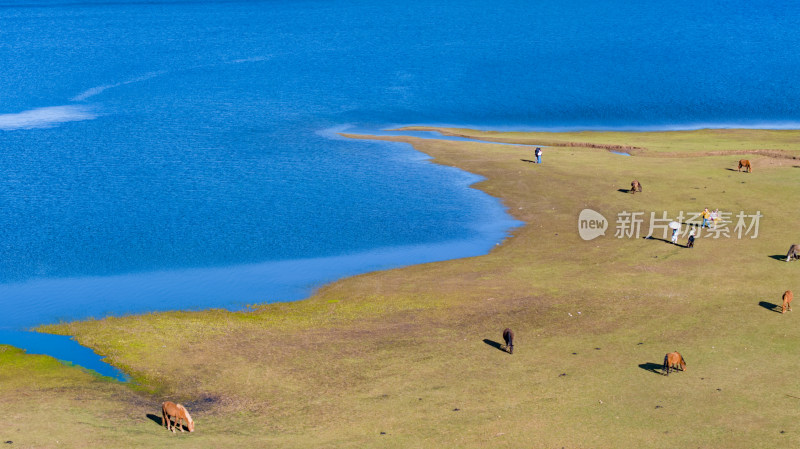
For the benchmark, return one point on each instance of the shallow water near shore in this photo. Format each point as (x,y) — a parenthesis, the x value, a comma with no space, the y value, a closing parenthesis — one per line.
(36,302)
(53,300)
(59,346)
(180,155)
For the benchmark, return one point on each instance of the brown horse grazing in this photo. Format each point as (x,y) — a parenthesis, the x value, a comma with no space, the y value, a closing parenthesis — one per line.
(673,360)
(787,301)
(508,337)
(179,413)
(794,253)
(744,163)
(636,186)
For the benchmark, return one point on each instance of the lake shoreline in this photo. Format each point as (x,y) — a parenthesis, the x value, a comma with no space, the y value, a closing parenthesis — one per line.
(187,289)
(525,138)
(417,353)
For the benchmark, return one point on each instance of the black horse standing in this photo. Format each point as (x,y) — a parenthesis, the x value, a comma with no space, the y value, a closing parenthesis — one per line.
(508,337)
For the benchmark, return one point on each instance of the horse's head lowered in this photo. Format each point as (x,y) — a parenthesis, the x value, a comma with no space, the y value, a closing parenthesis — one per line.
(189,420)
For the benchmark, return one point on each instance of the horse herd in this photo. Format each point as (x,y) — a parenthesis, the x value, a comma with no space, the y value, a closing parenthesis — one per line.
(673,360)
(173,414)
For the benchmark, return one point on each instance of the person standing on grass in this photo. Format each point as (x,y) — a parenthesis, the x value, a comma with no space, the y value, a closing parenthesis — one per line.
(675,233)
(706,215)
(538,154)
(691,239)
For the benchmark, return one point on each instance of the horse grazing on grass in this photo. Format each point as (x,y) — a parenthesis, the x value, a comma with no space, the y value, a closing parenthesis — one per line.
(179,413)
(744,163)
(787,301)
(794,253)
(636,186)
(508,337)
(673,360)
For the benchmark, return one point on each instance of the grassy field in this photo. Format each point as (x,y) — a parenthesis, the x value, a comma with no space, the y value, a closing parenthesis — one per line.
(410,358)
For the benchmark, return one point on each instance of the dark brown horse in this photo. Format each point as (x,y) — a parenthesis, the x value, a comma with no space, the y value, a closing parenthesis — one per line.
(744,163)
(636,186)
(673,360)
(508,337)
(170,410)
(787,301)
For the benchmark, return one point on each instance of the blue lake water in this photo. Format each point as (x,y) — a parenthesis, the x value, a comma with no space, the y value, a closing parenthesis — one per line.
(183,154)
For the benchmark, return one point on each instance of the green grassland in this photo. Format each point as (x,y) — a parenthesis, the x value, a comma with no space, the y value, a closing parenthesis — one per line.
(409,358)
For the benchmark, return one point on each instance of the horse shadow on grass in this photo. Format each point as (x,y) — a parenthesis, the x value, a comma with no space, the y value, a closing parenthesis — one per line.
(770,306)
(731,169)
(160,421)
(628,191)
(781,257)
(156,419)
(656,368)
(494,344)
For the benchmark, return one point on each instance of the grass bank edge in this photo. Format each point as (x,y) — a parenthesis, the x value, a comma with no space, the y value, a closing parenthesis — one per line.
(325,306)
